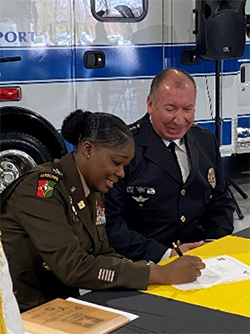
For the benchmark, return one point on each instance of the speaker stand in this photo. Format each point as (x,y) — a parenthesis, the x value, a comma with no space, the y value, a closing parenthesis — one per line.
(218,122)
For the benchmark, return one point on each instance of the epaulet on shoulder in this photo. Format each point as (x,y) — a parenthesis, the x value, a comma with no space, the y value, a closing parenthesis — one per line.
(135,127)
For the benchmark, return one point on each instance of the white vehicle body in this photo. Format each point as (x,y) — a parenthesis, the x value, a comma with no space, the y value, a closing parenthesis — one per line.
(48,48)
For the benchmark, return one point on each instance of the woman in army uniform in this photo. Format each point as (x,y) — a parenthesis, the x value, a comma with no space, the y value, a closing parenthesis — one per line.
(53,220)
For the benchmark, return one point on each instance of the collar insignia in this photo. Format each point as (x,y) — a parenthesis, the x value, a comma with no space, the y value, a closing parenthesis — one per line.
(72,189)
(46,266)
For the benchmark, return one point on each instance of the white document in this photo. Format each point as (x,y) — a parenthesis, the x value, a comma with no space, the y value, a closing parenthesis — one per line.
(219,269)
(126,314)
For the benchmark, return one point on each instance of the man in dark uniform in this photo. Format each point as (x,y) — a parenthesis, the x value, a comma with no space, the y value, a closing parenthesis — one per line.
(160,200)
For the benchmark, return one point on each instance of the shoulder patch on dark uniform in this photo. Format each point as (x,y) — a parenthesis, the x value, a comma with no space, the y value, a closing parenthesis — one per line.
(46,184)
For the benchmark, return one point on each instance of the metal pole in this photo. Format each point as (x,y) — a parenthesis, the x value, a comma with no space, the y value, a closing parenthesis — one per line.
(217,103)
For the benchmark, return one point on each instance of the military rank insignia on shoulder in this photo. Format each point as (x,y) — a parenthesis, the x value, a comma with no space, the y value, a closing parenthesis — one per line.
(135,127)
(46,184)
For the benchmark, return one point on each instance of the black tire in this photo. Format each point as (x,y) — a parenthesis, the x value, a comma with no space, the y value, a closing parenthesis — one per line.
(19,153)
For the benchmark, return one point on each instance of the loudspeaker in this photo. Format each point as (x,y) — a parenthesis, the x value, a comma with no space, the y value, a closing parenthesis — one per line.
(220,28)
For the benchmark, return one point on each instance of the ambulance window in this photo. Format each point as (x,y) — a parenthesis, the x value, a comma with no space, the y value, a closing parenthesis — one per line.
(247,7)
(119,10)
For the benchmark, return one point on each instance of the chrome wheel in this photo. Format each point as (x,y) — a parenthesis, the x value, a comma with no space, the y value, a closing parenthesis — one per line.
(13,163)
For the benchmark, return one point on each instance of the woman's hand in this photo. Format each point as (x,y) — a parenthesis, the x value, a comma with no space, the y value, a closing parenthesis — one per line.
(182,270)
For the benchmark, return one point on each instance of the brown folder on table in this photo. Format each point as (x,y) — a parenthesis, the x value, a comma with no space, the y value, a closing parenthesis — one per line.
(61,316)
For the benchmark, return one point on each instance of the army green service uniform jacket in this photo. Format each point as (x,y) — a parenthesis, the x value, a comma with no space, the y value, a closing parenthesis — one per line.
(53,245)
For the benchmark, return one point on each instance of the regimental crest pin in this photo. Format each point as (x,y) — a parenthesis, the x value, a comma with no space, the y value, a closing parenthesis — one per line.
(211,177)
(81,205)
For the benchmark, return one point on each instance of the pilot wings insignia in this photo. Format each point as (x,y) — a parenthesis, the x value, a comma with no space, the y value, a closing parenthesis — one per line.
(140,199)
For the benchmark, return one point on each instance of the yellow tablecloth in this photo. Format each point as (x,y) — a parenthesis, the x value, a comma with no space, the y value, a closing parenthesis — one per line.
(229,297)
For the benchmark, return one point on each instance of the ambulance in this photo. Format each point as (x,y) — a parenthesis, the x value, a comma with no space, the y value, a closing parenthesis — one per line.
(100,55)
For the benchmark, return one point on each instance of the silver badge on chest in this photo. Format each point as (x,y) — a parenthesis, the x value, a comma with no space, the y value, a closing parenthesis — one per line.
(211,177)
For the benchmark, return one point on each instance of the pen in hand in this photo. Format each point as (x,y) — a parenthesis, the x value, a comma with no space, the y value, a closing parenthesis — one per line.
(176,247)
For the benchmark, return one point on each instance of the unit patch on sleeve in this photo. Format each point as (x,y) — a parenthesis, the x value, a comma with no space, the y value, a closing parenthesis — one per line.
(46,184)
